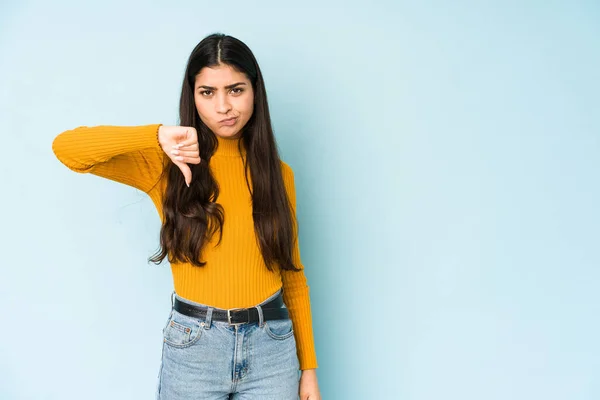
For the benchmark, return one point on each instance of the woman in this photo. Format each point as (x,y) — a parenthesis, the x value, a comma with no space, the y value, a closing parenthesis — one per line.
(240,323)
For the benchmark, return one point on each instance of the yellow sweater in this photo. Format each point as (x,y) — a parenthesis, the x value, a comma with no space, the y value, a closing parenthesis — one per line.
(235,274)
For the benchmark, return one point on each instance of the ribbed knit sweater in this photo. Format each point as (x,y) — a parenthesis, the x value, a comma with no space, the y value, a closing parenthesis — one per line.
(235,274)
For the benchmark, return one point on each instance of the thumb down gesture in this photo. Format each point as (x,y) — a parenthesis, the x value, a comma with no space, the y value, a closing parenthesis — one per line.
(180,143)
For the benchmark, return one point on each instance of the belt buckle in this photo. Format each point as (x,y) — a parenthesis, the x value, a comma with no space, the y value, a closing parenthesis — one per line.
(233,309)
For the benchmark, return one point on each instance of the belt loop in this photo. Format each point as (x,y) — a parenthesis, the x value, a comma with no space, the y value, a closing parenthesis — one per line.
(208,319)
(260,316)
(172,299)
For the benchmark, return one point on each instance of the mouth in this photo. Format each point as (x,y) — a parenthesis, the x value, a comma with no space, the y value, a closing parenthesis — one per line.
(228,119)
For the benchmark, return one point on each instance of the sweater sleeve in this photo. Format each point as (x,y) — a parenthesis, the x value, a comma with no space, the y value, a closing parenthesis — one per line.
(127,154)
(296,292)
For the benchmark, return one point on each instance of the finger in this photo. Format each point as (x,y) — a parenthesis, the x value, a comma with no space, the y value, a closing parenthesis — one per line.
(193,146)
(188,160)
(193,153)
(181,136)
(186,139)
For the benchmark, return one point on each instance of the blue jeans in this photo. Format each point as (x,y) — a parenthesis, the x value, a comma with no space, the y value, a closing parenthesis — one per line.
(206,359)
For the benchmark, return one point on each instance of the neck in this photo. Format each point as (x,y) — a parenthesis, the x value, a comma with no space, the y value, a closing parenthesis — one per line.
(229,147)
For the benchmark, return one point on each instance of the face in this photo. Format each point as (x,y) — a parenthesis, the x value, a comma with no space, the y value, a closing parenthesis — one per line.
(221,92)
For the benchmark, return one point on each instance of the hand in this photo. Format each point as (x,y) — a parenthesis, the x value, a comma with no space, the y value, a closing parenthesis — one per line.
(180,143)
(309,387)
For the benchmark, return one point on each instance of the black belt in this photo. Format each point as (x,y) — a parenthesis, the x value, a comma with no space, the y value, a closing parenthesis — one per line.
(271,310)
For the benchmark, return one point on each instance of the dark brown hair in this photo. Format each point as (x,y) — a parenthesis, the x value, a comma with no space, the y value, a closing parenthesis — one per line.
(192,215)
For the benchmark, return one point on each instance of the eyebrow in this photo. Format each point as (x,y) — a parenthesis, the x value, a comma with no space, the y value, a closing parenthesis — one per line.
(226,87)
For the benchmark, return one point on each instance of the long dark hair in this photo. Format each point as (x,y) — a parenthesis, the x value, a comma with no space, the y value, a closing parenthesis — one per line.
(192,215)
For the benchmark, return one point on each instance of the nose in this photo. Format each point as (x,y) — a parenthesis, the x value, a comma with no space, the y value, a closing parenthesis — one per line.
(223,105)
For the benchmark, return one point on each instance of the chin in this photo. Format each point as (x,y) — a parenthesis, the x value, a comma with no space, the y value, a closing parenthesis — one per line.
(228,135)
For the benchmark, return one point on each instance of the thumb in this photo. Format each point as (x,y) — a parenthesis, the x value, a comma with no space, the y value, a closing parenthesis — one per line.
(187,172)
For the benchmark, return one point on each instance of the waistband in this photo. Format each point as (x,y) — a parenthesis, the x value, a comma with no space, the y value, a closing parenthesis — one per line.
(272,307)
(174,296)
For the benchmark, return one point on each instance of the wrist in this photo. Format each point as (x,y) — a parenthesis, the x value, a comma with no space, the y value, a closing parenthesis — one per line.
(159,134)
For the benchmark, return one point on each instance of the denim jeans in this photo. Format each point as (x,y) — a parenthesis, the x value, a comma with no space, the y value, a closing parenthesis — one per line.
(207,359)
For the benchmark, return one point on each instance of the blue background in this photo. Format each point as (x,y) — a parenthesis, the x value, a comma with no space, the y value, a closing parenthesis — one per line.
(446,158)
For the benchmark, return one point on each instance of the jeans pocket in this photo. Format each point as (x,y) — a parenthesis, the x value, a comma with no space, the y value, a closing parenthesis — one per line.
(181,330)
(279,329)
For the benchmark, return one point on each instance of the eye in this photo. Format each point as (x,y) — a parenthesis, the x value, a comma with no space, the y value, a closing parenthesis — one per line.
(205,92)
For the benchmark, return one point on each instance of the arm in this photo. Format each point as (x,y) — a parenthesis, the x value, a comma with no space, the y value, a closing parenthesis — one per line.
(128,154)
(296,292)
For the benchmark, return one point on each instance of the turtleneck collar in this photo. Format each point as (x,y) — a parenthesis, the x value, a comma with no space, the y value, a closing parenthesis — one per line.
(229,147)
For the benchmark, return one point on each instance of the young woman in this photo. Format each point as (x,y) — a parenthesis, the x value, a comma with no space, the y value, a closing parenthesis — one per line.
(240,325)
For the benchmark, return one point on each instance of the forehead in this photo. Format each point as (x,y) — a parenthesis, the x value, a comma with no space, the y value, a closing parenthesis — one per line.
(221,75)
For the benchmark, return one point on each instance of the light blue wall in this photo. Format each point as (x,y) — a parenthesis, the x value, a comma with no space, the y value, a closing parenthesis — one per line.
(446,154)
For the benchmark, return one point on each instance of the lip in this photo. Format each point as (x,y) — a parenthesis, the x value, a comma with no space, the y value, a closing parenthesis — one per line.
(229,121)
